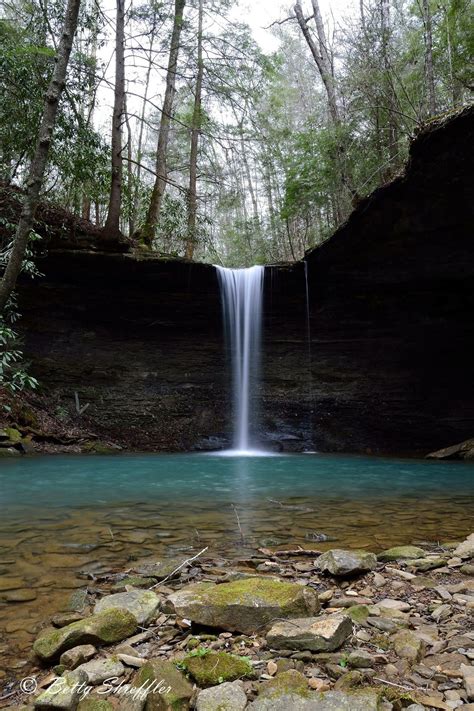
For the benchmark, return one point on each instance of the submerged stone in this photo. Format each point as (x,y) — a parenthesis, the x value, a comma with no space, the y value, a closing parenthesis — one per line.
(316,634)
(168,568)
(143,604)
(103,628)
(243,605)
(134,581)
(215,667)
(343,563)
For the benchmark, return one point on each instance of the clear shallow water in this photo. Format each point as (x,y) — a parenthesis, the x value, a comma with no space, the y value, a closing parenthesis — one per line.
(64,520)
(77,481)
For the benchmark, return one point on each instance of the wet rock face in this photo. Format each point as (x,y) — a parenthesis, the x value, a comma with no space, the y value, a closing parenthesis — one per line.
(391,299)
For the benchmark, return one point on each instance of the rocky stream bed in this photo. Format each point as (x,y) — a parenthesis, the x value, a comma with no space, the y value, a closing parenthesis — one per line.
(290,629)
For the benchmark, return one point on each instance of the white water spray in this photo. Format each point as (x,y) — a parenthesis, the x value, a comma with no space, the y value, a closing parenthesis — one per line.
(241,292)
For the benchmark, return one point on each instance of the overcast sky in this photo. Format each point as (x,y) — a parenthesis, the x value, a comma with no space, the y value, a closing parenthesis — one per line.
(261,13)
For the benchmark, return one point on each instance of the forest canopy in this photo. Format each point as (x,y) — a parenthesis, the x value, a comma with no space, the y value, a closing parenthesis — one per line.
(178,131)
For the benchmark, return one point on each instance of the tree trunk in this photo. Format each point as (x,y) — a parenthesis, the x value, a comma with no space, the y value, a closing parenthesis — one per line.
(89,103)
(156,200)
(195,132)
(38,163)
(112,224)
(429,58)
(320,55)
(129,165)
(392,123)
(136,202)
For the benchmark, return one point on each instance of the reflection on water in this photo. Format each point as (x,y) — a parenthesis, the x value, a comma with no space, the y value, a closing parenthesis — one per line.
(64,517)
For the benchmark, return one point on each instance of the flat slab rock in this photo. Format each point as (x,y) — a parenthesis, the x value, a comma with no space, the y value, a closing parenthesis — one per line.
(342,563)
(243,605)
(327,701)
(401,553)
(315,634)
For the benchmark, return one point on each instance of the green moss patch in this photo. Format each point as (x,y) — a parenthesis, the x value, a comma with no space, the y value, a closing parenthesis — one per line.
(212,668)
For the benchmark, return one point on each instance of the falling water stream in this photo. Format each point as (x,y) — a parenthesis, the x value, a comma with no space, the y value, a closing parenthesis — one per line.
(241,291)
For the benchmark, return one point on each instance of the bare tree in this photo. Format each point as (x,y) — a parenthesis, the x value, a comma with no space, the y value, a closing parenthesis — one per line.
(112,224)
(153,214)
(38,164)
(195,132)
(320,54)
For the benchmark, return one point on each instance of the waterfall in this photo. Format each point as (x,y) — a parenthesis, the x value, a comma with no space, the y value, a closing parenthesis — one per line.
(241,293)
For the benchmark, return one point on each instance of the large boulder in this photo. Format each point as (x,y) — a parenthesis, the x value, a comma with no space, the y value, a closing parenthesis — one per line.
(104,628)
(316,634)
(344,563)
(143,604)
(246,605)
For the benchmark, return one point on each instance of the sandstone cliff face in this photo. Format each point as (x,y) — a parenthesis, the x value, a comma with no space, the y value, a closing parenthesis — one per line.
(388,367)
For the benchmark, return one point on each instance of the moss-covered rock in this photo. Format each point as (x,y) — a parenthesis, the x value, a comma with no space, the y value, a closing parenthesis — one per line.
(107,627)
(9,452)
(63,693)
(216,667)
(243,605)
(165,687)
(401,553)
(288,682)
(424,564)
(225,697)
(13,435)
(349,700)
(143,604)
(358,613)
(408,645)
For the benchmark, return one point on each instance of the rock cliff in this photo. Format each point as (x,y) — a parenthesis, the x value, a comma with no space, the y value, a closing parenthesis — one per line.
(387,368)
